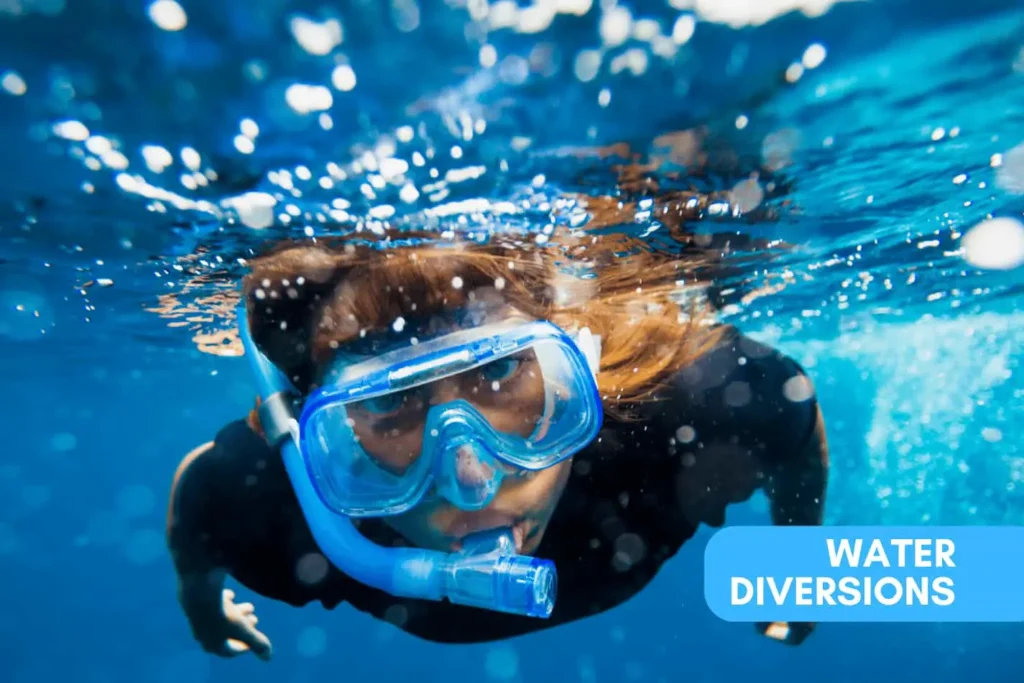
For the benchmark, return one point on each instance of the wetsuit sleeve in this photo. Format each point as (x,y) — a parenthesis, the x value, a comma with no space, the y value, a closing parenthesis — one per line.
(795,453)
(243,510)
(200,498)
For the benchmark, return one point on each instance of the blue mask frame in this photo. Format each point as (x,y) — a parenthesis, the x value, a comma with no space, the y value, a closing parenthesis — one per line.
(351,483)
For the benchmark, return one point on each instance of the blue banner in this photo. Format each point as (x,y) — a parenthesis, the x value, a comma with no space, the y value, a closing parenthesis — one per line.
(866,574)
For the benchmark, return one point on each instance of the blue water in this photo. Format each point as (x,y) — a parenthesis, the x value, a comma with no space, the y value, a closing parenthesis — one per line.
(906,136)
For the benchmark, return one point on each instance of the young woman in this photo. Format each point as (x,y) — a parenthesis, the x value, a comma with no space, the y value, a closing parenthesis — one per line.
(558,395)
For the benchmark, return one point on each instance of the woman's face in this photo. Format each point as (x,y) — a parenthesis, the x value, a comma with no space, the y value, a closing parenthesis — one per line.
(510,394)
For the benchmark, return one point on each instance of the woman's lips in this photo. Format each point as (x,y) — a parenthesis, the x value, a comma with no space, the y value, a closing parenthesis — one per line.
(518,535)
(465,528)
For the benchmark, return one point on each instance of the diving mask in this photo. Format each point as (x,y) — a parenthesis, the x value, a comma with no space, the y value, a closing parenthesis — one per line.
(454,415)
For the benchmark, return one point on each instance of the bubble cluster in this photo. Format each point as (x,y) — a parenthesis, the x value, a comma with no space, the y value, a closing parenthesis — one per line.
(446,152)
(25,311)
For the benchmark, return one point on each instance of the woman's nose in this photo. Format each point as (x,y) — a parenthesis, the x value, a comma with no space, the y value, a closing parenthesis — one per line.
(470,469)
(444,391)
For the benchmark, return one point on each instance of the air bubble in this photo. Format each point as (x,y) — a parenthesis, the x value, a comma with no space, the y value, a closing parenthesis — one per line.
(737,394)
(629,550)
(311,569)
(747,195)
(616,25)
(316,38)
(684,29)
(35,496)
(63,442)
(502,663)
(343,78)
(312,641)
(814,55)
(798,389)
(13,83)
(107,528)
(991,434)
(135,501)
(145,546)
(685,434)
(995,244)
(8,539)
(397,615)
(191,665)
(168,15)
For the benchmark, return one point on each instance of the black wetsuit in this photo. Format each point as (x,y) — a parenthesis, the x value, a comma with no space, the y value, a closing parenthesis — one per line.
(620,517)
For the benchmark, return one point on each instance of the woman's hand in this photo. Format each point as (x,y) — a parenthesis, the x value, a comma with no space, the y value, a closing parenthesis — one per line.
(790,633)
(230,630)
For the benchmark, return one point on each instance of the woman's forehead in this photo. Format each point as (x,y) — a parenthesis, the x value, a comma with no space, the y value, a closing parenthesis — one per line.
(410,332)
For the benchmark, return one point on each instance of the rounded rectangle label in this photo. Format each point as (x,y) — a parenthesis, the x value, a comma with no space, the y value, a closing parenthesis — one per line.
(869,573)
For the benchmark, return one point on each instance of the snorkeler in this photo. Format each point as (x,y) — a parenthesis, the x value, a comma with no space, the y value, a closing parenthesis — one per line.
(443,430)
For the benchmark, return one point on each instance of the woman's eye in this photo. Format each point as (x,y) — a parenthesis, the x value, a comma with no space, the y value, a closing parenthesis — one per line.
(500,369)
(387,403)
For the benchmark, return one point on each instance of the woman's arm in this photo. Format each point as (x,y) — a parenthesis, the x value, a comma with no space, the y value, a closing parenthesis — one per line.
(200,580)
(796,482)
(751,420)
(220,625)
(796,479)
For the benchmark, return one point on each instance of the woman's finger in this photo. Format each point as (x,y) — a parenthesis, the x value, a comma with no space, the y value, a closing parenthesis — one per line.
(233,648)
(246,608)
(257,642)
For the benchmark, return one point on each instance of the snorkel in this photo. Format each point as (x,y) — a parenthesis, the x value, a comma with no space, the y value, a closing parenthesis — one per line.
(486,573)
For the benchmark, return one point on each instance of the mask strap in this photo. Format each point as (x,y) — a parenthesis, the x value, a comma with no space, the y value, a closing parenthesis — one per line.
(590,344)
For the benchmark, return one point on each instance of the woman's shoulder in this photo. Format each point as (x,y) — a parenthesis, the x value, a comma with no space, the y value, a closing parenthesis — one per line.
(236,465)
(741,359)
(744,386)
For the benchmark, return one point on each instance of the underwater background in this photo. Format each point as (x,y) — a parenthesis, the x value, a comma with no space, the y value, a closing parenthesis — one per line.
(148,148)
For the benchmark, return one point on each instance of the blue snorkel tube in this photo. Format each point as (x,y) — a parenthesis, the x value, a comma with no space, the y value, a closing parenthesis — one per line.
(486,573)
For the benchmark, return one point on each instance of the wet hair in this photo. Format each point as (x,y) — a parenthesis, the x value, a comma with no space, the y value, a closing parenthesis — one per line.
(306,300)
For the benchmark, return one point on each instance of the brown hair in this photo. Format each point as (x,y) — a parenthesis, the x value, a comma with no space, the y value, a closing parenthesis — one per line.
(305,299)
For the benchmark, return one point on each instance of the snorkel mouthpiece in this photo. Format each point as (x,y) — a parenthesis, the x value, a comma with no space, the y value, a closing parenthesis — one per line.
(486,573)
